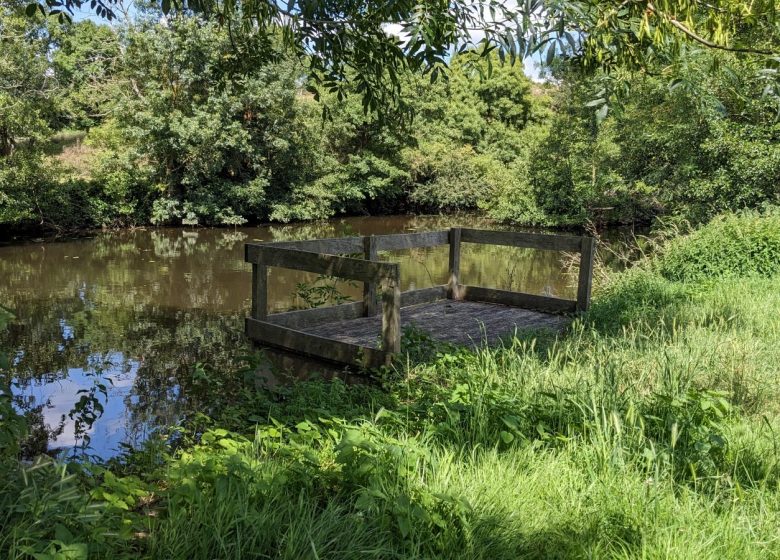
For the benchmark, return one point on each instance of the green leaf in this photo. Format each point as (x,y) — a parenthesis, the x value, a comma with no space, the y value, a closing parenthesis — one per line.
(550,53)
(404,525)
(596,102)
(601,114)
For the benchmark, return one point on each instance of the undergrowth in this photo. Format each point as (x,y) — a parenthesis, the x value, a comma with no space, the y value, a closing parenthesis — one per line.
(733,245)
(647,430)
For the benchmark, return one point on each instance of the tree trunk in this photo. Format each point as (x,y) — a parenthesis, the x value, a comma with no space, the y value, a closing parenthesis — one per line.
(6,143)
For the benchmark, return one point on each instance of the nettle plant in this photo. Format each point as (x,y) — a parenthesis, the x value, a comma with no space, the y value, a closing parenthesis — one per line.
(323,291)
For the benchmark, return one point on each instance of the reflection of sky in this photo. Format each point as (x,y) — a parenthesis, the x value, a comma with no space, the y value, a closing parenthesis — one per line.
(111,427)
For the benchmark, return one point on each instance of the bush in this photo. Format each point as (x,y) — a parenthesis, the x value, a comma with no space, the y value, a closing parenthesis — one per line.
(734,245)
(35,193)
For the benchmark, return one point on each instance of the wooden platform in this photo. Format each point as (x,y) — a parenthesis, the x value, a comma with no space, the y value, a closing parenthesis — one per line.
(368,333)
(468,323)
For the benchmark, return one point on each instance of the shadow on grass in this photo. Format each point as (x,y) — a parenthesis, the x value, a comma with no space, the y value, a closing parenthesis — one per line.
(604,534)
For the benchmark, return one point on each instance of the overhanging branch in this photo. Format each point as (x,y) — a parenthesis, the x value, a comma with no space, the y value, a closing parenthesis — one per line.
(690,33)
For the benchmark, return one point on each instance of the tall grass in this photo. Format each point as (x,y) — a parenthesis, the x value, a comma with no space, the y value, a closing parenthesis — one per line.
(649,430)
(658,441)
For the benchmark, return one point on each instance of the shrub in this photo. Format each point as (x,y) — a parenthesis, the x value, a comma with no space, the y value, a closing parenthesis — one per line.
(744,244)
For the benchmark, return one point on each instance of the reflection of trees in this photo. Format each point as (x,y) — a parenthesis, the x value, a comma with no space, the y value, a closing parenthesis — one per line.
(167,347)
(509,268)
(163,345)
(374,225)
(131,268)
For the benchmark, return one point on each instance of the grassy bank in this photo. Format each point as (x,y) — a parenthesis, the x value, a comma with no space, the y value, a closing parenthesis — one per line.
(648,430)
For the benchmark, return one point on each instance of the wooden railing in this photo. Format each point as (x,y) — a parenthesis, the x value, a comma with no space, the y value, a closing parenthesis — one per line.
(381,281)
(585,246)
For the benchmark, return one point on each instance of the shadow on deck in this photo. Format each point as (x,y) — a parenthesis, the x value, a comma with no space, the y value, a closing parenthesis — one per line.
(368,333)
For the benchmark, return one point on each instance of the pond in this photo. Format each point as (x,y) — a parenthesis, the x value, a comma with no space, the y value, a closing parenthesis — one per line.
(122,318)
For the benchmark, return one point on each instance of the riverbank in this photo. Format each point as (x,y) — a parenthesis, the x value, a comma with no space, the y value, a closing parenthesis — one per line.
(646,431)
(11,236)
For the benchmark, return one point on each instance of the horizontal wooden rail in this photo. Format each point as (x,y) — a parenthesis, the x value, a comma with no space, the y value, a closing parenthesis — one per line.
(522,239)
(317,315)
(518,299)
(301,318)
(334,246)
(331,265)
(354,245)
(317,346)
(423,295)
(400,241)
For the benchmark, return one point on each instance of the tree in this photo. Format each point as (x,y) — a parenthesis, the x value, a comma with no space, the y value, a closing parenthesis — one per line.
(345,41)
(85,59)
(27,104)
(218,137)
(27,90)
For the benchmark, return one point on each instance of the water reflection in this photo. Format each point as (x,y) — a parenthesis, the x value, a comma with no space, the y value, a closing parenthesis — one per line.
(134,311)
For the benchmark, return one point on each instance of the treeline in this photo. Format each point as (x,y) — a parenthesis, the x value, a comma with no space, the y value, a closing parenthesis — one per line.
(189,122)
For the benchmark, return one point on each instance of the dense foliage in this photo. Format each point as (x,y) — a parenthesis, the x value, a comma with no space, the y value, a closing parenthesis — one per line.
(731,246)
(190,122)
(345,42)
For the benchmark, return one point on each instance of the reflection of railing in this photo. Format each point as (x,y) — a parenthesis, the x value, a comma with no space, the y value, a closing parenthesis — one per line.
(382,279)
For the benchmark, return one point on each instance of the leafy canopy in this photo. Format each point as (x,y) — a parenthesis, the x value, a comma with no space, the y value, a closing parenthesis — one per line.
(351,41)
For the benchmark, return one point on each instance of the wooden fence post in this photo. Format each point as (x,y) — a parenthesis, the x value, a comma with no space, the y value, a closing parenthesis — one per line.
(391,313)
(453,290)
(369,288)
(259,292)
(585,281)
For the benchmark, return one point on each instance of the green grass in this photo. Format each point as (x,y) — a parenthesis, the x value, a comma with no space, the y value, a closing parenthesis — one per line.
(647,431)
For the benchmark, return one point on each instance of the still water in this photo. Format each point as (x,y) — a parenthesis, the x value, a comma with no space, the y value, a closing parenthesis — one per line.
(135,311)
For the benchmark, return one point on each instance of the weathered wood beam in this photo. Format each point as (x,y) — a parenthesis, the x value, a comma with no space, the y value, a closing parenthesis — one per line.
(369,288)
(332,246)
(330,265)
(259,291)
(517,299)
(423,295)
(453,286)
(391,315)
(521,239)
(585,280)
(399,241)
(303,318)
(316,346)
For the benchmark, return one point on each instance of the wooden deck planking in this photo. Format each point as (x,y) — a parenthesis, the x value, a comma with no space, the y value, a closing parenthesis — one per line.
(458,322)
(351,333)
